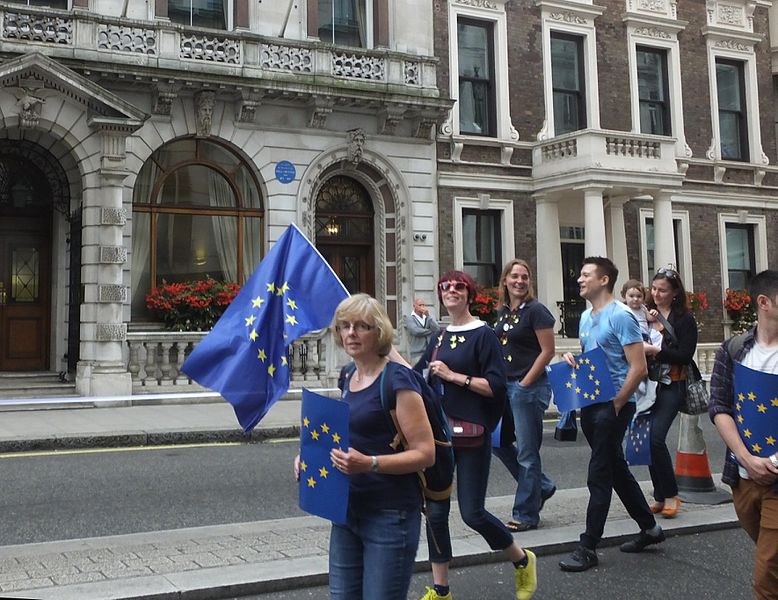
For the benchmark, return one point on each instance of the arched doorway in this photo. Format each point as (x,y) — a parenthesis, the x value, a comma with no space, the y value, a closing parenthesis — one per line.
(26,202)
(344,232)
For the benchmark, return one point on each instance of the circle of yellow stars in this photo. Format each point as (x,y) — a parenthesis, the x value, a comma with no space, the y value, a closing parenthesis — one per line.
(761,408)
(316,435)
(272,289)
(584,364)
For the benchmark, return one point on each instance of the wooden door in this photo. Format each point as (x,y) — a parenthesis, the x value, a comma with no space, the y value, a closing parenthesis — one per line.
(24,299)
(352,264)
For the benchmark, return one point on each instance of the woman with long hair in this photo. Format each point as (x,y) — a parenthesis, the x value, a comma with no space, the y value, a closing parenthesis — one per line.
(465,363)
(525,328)
(669,307)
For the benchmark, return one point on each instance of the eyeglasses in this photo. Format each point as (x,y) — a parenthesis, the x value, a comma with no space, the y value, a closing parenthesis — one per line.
(457,285)
(668,272)
(359,326)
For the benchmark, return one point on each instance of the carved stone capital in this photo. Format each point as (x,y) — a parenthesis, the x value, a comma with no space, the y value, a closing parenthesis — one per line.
(247,105)
(164,94)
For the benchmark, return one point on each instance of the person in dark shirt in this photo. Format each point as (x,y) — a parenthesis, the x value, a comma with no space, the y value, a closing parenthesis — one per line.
(679,342)
(526,331)
(465,363)
(372,555)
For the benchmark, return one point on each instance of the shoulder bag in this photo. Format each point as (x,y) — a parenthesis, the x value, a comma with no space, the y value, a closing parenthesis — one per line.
(696,399)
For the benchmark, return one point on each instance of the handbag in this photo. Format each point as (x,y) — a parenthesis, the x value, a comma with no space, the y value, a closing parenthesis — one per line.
(465,434)
(567,428)
(696,399)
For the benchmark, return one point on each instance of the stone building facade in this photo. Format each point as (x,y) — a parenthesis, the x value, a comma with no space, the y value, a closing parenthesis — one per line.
(143,142)
(639,129)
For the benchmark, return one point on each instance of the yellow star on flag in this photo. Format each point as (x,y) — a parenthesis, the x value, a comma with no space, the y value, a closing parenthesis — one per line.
(253,335)
(596,391)
(284,288)
(740,418)
(271,287)
(747,433)
(577,390)
(283,361)
(761,408)
(325,428)
(250,320)
(774,401)
(303,466)
(291,304)
(586,395)
(592,368)
(596,382)
(257,302)
(591,377)
(261,355)
(306,421)
(510,358)
(336,438)
(568,385)
(737,406)
(315,434)
(587,361)
(291,319)
(311,482)
(757,448)
(573,375)
(751,396)
(741,396)
(271,370)
(324,472)
(770,440)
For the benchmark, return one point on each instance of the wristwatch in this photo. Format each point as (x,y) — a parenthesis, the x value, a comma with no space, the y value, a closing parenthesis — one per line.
(774,460)
(468,379)
(374,464)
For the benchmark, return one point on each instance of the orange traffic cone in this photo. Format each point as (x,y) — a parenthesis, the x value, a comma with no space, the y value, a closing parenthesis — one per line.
(692,468)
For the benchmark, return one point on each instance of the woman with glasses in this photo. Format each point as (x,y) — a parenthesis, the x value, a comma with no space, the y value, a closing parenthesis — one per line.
(526,331)
(669,306)
(465,364)
(372,554)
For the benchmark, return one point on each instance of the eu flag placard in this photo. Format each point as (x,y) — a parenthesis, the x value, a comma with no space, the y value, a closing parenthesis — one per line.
(756,409)
(638,450)
(589,382)
(244,357)
(324,426)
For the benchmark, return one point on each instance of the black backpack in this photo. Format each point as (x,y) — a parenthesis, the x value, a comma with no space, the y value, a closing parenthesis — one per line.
(436,480)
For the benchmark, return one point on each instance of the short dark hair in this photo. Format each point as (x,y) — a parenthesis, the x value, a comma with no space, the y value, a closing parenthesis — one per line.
(605,267)
(763,284)
(466,278)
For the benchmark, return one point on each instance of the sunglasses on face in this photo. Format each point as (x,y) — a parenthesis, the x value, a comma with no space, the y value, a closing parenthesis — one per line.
(359,326)
(459,286)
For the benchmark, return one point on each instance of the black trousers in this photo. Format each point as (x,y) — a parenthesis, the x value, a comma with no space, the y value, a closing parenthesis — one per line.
(608,471)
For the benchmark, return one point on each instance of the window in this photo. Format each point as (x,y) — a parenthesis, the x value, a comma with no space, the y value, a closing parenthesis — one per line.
(476,77)
(650,245)
(199,13)
(343,22)
(482,255)
(567,75)
(741,255)
(733,126)
(653,91)
(683,250)
(61,4)
(197,212)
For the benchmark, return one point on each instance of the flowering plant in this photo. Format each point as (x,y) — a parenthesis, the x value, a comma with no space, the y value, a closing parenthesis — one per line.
(191,305)
(740,310)
(698,302)
(485,304)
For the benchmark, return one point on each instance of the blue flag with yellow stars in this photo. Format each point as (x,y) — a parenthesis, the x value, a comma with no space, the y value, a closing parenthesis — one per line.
(756,410)
(589,382)
(323,489)
(244,357)
(638,451)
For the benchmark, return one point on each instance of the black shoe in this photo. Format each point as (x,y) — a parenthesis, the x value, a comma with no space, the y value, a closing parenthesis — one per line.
(546,496)
(580,560)
(519,526)
(643,539)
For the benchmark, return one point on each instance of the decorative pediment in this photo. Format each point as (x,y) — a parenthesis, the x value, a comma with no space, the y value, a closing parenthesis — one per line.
(736,15)
(32,77)
(665,9)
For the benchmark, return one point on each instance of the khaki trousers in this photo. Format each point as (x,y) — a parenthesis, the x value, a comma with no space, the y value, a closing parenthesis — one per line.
(757,508)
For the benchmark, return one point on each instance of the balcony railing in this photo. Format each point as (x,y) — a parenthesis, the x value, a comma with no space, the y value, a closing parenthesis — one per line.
(156,357)
(137,43)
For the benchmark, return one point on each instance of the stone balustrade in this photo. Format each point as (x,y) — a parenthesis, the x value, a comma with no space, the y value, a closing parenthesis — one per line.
(156,357)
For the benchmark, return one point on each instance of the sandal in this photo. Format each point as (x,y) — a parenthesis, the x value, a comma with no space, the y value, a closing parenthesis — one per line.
(668,512)
(657,507)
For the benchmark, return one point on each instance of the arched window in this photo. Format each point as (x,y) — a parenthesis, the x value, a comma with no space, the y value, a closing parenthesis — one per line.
(197,212)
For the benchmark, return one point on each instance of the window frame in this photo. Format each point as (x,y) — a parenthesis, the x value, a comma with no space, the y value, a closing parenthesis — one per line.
(759,225)
(229,21)
(751,242)
(490,80)
(68,4)
(742,114)
(484,202)
(683,248)
(579,94)
(369,26)
(496,233)
(665,104)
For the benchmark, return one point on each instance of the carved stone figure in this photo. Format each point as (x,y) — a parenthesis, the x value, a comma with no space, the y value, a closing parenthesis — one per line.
(29,101)
(356,142)
(204,102)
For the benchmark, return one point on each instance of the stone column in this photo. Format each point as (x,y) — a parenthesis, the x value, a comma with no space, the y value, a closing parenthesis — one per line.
(617,236)
(664,238)
(548,279)
(594,222)
(101,369)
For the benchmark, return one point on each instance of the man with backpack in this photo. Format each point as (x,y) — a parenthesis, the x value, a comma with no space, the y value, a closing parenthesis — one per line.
(753,478)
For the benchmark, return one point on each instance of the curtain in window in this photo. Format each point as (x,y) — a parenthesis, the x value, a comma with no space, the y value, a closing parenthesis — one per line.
(225,229)
(252,228)
(141,230)
(361,15)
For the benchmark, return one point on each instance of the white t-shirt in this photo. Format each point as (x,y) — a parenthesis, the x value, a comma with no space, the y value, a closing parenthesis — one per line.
(764,359)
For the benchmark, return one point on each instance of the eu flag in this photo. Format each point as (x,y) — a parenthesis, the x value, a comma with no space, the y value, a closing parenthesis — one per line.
(589,382)
(756,409)
(323,489)
(244,357)
(638,451)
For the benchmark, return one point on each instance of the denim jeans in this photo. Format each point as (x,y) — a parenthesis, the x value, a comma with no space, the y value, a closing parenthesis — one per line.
(528,405)
(472,473)
(608,471)
(372,555)
(663,413)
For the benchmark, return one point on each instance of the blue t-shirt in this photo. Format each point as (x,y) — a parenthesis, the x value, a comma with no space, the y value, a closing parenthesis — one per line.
(610,329)
(370,433)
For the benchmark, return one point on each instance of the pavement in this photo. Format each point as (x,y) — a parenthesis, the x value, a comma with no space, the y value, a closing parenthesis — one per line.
(227,561)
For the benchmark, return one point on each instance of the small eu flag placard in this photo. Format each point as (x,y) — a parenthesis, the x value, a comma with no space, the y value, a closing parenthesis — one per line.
(324,426)
(638,438)
(756,410)
(589,382)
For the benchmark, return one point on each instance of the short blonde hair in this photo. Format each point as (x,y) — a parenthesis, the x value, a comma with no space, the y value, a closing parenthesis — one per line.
(363,307)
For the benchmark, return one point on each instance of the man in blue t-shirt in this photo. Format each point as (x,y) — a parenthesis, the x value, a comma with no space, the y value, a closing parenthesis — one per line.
(616,331)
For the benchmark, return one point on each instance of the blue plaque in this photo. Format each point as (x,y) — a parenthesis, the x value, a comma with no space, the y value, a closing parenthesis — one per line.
(285,171)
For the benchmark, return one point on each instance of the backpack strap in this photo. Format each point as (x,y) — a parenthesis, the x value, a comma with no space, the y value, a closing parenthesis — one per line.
(389,404)
(735,343)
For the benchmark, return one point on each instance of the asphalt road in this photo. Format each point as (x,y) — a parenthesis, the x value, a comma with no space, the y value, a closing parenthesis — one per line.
(715,565)
(56,496)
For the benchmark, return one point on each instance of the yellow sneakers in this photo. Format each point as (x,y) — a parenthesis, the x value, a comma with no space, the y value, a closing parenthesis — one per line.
(526,578)
(433,595)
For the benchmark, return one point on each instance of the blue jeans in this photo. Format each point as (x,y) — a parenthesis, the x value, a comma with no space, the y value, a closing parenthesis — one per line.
(528,405)
(608,471)
(472,471)
(372,555)
(663,413)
